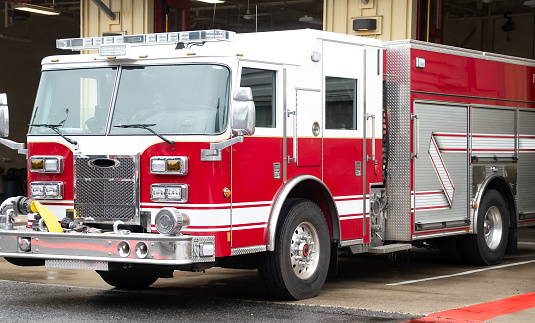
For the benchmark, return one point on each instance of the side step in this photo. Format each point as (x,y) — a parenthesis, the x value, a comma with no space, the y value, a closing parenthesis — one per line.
(389,248)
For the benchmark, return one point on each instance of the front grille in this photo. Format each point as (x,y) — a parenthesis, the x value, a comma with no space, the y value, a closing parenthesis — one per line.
(106,194)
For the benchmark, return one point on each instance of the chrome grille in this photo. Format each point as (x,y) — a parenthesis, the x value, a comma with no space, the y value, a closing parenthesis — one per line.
(107,194)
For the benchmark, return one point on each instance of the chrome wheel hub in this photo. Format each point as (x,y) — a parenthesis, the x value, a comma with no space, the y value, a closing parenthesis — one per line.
(304,250)
(493,227)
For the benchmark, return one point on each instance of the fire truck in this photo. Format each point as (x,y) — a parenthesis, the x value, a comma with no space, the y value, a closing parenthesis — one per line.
(277,151)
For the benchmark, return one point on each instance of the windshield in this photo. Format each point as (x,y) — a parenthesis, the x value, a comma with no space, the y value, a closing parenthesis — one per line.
(76,101)
(172,99)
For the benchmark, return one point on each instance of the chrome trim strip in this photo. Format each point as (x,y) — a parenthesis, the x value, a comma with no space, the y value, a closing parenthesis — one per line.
(247,250)
(364,151)
(284,130)
(347,243)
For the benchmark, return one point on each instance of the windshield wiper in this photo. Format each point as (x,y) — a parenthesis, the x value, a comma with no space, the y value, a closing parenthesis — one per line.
(55,128)
(147,126)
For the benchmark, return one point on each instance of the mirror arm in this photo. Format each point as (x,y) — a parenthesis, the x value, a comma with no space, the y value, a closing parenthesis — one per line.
(214,153)
(13,145)
(226,143)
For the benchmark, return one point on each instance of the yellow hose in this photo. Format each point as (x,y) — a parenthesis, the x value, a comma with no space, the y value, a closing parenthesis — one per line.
(49,218)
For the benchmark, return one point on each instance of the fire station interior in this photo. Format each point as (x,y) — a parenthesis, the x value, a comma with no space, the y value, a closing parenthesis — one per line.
(500,26)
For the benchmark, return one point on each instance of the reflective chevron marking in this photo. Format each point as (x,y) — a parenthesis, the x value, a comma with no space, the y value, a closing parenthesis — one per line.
(441,170)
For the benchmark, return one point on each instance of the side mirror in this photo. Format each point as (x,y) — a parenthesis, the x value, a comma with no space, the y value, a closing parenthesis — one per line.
(4,116)
(243,112)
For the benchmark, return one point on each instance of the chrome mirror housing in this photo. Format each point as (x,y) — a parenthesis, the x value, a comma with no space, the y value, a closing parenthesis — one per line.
(4,116)
(243,112)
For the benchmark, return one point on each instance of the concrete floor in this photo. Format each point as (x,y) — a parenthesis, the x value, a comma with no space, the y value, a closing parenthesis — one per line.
(362,283)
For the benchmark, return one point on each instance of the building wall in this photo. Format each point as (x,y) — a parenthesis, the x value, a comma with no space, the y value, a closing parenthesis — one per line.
(20,71)
(485,34)
(132,17)
(396,19)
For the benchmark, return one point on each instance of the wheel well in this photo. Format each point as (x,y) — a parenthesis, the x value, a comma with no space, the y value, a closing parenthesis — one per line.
(316,192)
(499,184)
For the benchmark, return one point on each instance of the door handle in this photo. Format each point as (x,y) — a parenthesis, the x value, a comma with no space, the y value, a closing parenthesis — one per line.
(368,158)
(416,135)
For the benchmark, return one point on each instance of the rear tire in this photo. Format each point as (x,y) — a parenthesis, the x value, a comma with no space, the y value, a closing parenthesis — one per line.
(488,246)
(298,267)
(125,280)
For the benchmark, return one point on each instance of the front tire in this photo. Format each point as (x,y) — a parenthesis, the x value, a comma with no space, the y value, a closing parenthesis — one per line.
(124,280)
(488,246)
(298,266)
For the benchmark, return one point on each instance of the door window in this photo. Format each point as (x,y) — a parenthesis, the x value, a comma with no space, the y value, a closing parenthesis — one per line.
(340,103)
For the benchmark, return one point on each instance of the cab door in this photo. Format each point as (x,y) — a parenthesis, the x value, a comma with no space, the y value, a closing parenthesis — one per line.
(256,162)
(352,94)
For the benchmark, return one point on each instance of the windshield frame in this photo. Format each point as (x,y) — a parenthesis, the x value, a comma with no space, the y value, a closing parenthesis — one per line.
(113,100)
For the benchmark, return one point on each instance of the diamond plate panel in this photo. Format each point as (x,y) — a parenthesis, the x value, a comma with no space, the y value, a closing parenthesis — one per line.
(398,100)
(106,194)
(76,264)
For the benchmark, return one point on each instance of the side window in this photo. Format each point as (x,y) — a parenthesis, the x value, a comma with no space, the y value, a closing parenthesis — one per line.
(340,103)
(262,83)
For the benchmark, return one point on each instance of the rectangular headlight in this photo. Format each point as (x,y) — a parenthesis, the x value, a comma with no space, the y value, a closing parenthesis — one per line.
(169,165)
(37,190)
(46,190)
(169,193)
(47,164)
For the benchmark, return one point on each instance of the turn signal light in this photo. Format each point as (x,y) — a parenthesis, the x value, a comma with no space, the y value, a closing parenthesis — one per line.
(46,164)
(169,165)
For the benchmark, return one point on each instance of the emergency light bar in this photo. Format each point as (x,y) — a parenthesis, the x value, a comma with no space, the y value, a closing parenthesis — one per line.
(146,39)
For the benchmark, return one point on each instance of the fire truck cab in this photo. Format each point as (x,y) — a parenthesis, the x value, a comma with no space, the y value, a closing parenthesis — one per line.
(276,150)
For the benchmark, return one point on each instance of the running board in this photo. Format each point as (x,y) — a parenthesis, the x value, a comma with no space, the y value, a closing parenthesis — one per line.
(389,248)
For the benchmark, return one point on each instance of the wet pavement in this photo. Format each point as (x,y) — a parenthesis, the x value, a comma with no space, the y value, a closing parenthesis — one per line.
(368,288)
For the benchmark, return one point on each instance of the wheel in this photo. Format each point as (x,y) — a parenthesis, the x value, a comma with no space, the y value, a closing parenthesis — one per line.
(298,266)
(488,246)
(125,280)
(25,262)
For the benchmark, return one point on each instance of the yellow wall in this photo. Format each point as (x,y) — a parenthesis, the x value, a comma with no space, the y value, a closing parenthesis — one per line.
(396,19)
(133,17)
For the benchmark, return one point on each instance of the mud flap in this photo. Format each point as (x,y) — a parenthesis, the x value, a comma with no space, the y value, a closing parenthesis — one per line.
(333,263)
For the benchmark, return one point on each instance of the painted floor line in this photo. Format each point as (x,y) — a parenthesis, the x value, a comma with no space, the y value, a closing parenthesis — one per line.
(484,311)
(461,274)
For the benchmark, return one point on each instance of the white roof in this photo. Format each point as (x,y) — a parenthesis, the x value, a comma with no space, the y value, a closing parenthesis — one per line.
(290,47)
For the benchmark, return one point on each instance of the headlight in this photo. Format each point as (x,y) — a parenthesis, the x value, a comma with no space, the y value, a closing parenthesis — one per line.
(46,190)
(169,193)
(169,165)
(47,164)
(170,221)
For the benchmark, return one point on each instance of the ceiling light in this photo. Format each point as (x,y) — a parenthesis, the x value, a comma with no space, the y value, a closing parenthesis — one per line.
(212,1)
(36,9)
(310,20)
(530,3)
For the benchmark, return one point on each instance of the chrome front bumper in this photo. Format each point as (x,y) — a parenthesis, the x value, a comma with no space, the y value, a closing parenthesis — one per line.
(135,248)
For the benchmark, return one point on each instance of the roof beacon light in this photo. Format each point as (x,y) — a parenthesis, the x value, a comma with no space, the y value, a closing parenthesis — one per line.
(101,43)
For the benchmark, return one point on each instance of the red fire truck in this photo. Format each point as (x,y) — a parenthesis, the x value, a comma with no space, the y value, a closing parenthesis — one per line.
(276,151)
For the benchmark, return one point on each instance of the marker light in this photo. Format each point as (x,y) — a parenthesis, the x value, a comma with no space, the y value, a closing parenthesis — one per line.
(46,164)
(169,165)
(46,190)
(169,193)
